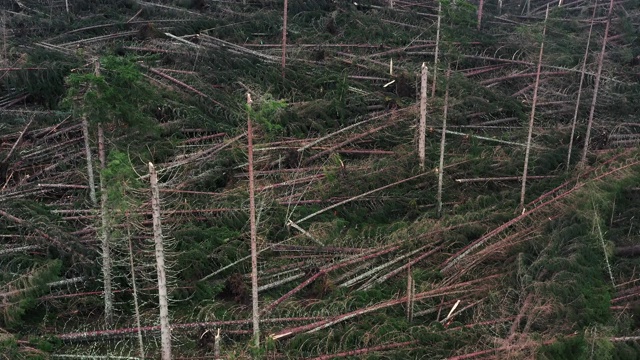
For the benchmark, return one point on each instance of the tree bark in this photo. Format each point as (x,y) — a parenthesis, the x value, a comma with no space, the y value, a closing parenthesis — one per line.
(442,144)
(582,73)
(410,290)
(596,86)
(106,255)
(165,329)
(480,8)
(216,345)
(255,314)
(435,60)
(628,251)
(422,128)
(284,36)
(523,190)
(135,289)
(87,151)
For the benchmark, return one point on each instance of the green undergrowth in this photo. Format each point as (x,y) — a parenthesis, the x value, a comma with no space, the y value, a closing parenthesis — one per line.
(325,88)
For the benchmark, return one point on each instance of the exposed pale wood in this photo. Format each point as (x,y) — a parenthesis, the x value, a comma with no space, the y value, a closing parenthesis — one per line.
(435,57)
(163,299)
(255,312)
(422,127)
(442,145)
(89,158)
(104,233)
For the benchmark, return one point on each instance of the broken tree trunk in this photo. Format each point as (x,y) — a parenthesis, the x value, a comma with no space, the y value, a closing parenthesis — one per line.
(442,145)
(284,37)
(216,345)
(480,8)
(165,329)
(435,60)
(628,251)
(410,291)
(365,350)
(422,128)
(533,114)
(87,151)
(327,322)
(325,271)
(255,314)
(358,196)
(596,86)
(104,229)
(582,73)
(135,289)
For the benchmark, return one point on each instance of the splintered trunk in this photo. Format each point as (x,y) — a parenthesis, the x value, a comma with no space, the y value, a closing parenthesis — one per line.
(216,345)
(87,151)
(284,36)
(596,86)
(165,329)
(582,71)
(254,234)
(422,128)
(442,143)
(435,60)
(533,114)
(106,256)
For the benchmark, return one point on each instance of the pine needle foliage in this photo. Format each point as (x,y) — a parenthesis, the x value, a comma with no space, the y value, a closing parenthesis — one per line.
(117,95)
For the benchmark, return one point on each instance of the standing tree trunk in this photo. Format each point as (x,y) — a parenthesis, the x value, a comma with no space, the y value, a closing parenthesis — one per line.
(582,71)
(106,255)
(284,36)
(442,143)
(134,288)
(596,85)
(165,329)
(4,38)
(87,151)
(216,345)
(422,128)
(410,293)
(480,8)
(435,60)
(254,233)
(533,113)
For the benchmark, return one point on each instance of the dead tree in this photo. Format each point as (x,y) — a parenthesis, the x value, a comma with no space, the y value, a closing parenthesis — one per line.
(284,36)
(582,72)
(442,144)
(423,115)
(533,114)
(87,150)
(104,216)
(165,329)
(435,60)
(255,315)
(596,86)
(480,8)
(134,287)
